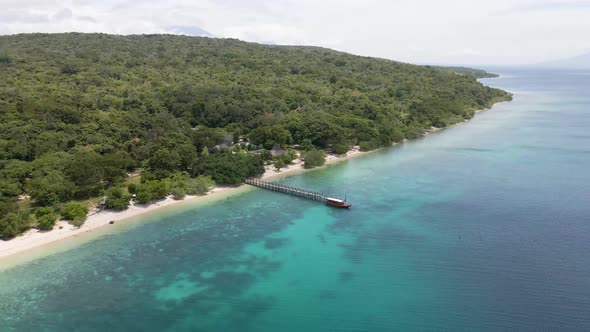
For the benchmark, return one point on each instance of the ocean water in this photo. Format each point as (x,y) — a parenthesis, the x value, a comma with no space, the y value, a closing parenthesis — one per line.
(484,226)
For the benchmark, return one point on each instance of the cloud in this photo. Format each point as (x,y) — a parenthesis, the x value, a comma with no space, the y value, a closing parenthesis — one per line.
(64,14)
(464,52)
(86,19)
(424,31)
(546,6)
(4,29)
(269,32)
(9,17)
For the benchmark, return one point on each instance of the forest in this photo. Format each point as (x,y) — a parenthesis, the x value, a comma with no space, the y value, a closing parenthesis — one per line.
(81,114)
(478,73)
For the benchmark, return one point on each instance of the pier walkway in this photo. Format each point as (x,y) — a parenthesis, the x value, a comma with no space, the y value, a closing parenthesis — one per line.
(298,192)
(287,190)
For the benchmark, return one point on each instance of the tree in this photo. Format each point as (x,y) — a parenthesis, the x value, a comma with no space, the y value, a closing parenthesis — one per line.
(10,187)
(46,222)
(188,155)
(206,137)
(13,224)
(16,169)
(292,154)
(265,154)
(46,218)
(199,185)
(205,152)
(115,166)
(117,199)
(75,212)
(286,158)
(306,145)
(152,190)
(228,168)
(340,148)
(314,158)
(320,127)
(178,193)
(85,170)
(368,145)
(279,163)
(269,136)
(50,188)
(132,188)
(144,194)
(163,162)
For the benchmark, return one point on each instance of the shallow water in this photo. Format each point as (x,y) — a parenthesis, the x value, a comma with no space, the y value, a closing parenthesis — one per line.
(483,226)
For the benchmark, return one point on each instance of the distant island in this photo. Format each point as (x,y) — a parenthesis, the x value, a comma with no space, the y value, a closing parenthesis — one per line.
(581,61)
(477,73)
(94,120)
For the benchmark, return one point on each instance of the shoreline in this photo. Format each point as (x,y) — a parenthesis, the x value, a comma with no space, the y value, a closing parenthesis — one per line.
(34,239)
(30,245)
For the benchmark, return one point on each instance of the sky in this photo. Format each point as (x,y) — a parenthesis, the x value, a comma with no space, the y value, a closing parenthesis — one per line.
(418,31)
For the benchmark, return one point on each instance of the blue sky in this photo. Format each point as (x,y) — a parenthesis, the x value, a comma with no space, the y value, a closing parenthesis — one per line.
(418,31)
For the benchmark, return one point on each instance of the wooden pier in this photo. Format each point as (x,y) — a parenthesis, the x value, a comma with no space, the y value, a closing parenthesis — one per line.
(316,196)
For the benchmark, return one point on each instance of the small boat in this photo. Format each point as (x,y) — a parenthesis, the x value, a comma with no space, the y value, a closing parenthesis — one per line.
(337,202)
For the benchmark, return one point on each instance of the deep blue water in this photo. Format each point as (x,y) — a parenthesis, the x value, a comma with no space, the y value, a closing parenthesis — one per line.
(484,226)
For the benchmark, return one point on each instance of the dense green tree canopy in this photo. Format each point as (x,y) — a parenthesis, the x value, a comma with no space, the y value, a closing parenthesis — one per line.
(75,212)
(80,111)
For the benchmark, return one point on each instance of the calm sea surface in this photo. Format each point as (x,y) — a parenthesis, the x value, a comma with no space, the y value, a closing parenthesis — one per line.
(484,226)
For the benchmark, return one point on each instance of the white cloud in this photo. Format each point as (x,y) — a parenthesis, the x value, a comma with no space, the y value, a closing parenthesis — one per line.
(4,29)
(464,52)
(63,14)
(424,31)
(264,32)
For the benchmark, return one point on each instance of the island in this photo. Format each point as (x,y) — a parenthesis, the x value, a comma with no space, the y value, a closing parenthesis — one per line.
(94,122)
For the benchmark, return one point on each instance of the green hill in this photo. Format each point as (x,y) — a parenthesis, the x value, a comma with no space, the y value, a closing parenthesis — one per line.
(478,73)
(80,111)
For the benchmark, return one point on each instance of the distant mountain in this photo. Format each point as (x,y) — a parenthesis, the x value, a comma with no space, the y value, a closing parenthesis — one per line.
(579,61)
(194,31)
(478,73)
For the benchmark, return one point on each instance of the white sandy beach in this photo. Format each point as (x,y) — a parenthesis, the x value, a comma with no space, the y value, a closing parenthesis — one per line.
(34,238)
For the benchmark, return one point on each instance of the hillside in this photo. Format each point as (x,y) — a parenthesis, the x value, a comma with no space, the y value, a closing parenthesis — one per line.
(478,73)
(78,112)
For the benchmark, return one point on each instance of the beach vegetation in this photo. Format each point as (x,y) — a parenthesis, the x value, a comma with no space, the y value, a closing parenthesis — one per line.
(199,185)
(117,199)
(286,158)
(46,218)
(314,158)
(228,168)
(132,188)
(340,148)
(74,212)
(13,224)
(178,193)
(279,163)
(152,190)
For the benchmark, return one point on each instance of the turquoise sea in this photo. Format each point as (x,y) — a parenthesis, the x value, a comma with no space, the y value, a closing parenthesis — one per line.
(483,226)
